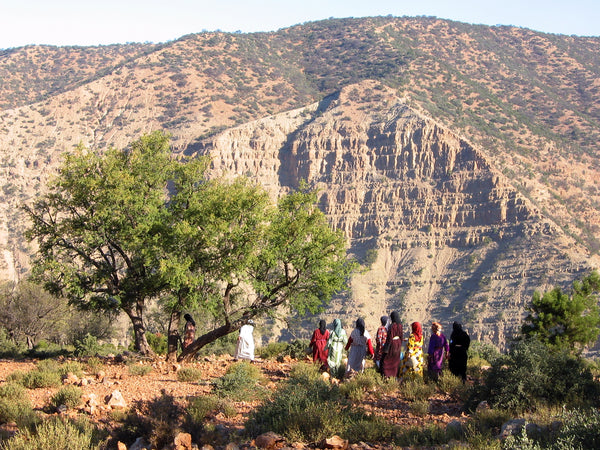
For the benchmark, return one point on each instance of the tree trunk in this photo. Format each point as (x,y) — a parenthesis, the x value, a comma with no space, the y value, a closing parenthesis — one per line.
(173,336)
(139,331)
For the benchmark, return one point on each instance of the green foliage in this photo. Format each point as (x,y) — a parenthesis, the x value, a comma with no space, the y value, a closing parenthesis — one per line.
(484,351)
(15,405)
(189,374)
(240,382)
(414,388)
(158,343)
(367,382)
(278,350)
(153,419)
(70,396)
(35,379)
(532,373)
(88,346)
(139,370)
(56,433)
(199,408)
(580,430)
(308,409)
(9,348)
(566,321)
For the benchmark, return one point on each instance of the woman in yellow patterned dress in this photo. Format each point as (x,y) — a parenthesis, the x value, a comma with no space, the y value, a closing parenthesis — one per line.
(412,362)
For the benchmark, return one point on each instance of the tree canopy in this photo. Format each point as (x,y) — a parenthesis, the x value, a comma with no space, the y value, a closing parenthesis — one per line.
(120,228)
(563,320)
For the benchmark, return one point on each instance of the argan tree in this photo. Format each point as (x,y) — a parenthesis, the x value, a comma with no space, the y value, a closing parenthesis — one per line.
(99,228)
(568,321)
(123,227)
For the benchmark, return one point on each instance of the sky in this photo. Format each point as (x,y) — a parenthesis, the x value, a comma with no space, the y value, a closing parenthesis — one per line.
(91,22)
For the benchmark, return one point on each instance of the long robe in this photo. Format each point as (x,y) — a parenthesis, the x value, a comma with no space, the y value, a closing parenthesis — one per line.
(414,349)
(391,361)
(335,345)
(459,345)
(245,343)
(359,346)
(438,348)
(379,344)
(318,344)
(189,334)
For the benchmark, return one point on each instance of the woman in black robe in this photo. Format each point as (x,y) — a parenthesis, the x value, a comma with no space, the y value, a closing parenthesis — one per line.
(459,345)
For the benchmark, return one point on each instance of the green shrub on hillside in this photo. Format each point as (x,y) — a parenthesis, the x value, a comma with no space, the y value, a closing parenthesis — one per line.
(532,373)
(240,382)
(307,408)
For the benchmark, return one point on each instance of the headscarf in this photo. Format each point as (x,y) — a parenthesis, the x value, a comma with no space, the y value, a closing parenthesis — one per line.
(322,326)
(417,331)
(384,320)
(188,318)
(395,317)
(457,327)
(337,327)
(360,324)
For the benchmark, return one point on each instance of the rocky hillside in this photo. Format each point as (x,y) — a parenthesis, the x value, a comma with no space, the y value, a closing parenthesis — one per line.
(461,161)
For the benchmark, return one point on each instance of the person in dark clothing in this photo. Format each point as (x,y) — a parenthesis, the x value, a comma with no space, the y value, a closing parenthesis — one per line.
(459,346)
(391,360)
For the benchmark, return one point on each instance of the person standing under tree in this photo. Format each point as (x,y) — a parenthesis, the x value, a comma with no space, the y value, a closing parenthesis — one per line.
(189,331)
(459,346)
(318,343)
(245,343)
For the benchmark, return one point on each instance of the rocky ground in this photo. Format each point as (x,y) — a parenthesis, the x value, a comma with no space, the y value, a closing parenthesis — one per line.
(162,379)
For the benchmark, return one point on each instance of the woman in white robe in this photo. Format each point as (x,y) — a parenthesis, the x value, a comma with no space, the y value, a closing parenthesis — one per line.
(245,343)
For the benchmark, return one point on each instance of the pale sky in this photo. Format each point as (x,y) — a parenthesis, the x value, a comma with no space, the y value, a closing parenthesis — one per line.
(91,22)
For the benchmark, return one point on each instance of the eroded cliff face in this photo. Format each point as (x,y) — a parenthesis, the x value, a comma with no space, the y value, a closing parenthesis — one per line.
(453,239)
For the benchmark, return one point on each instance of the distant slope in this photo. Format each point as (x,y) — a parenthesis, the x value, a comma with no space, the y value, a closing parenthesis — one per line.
(465,156)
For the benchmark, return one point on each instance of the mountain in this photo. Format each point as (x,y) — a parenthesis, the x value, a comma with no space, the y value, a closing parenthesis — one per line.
(461,161)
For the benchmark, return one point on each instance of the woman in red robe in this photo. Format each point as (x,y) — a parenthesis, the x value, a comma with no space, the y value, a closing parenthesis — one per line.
(318,343)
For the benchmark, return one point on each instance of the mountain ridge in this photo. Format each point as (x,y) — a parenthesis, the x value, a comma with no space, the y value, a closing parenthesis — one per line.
(464,156)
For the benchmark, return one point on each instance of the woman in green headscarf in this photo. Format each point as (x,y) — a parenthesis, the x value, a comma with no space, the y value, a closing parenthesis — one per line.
(336,343)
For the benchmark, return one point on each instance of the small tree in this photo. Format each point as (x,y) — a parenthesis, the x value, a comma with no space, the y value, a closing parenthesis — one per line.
(566,321)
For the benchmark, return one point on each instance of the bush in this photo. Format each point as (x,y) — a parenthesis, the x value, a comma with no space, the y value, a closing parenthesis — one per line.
(87,346)
(70,396)
(581,429)
(15,406)
(158,342)
(532,373)
(35,379)
(139,370)
(56,434)
(414,389)
(9,348)
(483,351)
(278,350)
(94,365)
(189,374)
(368,381)
(306,408)
(240,382)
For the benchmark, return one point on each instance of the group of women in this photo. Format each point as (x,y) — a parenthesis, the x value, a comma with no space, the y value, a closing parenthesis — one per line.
(392,358)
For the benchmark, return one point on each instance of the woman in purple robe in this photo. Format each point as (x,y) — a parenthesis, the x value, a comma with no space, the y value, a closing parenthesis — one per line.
(438,350)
